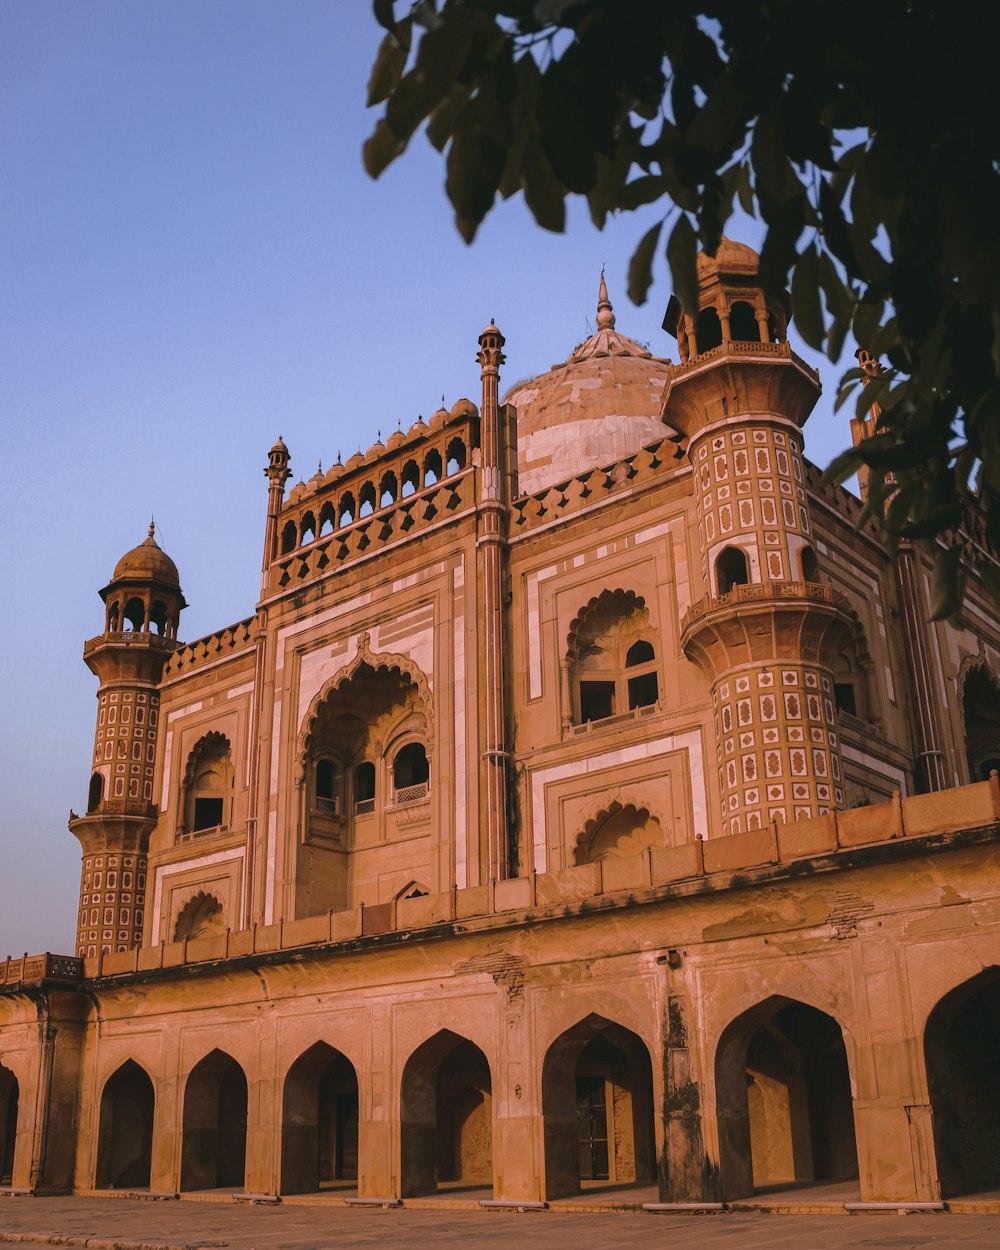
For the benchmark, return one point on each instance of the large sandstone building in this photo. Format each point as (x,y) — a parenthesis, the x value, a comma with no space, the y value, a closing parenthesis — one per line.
(587,802)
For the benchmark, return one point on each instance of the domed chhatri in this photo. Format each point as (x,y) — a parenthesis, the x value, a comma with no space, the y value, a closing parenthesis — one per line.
(147,563)
(600,405)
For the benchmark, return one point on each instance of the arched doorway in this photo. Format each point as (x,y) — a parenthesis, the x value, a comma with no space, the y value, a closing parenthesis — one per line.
(597,1104)
(446,1108)
(125,1136)
(9,1093)
(319,1126)
(961,1043)
(783,1099)
(214,1147)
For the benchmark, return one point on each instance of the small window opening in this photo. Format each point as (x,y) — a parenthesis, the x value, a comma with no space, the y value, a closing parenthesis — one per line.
(597,700)
(411,479)
(364,784)
(347,510)
(367,500)
(158,617)
(207,813)
(432,468)
(326,520)
(288,538)
(387,490)
(135,615)
(96,792)
(326,775)
(731,570)
(743,323)
(709,330)
(845,697)
(639,653)
(410,772)
(455,456)
(810,565)
(308,533)
(643,690)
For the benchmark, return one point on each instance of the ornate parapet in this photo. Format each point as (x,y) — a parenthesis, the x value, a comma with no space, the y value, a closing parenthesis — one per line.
(36,969)
(224,642)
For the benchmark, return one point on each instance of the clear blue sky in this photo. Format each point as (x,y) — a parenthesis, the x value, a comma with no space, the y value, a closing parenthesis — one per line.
(193,261)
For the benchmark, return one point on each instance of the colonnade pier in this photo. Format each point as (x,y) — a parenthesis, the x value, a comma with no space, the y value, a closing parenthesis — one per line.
(802,1004)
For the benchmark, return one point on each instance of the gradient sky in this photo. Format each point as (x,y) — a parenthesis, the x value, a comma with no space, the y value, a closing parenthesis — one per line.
(192,261)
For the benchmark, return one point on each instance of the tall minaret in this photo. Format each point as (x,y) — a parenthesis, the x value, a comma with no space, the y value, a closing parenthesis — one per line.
(143,602)
(278,473)
(769,629)
(491,548)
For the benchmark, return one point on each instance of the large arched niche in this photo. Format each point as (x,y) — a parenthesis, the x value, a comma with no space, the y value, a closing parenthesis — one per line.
(446,1115)
(961,1046)
(125,1131)
(319,1124)
(979,688)
(598,1109)
(625,826)
(401,672)
(783,1099)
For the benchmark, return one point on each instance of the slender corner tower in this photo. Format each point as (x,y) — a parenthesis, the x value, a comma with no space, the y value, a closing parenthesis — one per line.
(278,473)
(143,602)
(769,628)
(494,501)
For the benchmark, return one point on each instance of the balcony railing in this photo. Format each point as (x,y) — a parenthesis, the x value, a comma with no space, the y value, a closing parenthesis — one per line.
(364,807)
(131,638)
(412,794)
(762,592)
(34,968)
(327,806)
(617,718)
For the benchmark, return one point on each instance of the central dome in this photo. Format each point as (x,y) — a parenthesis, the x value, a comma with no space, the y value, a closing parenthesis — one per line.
(599,406)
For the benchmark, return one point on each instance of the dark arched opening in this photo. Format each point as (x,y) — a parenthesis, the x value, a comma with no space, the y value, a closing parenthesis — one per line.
(454,457)
(307,529)
(783,1100)
(347,510)
(366,499)
(709,330)
(981,710)
(810,564)
(96,792)
(410,479)
(134,616)
(961,1044)
(364,787)
(289,537)
(410,772)
(432,468)
(319,1126)
(9,1096)
(327,520)
(125,1136)
(597,1105)
(743,323)
(387,490)
(446,1109)
(731,569)
(214,1145)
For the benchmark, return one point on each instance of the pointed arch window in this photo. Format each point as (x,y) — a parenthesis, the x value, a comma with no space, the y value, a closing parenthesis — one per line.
(613,663)
(731,569)
(411,775)
(208,786)
(328,786)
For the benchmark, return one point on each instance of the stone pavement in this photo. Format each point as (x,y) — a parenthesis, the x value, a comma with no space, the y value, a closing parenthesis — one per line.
(128,1224)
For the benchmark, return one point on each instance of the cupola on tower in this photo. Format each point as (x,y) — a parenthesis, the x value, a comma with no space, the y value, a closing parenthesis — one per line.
(143,602)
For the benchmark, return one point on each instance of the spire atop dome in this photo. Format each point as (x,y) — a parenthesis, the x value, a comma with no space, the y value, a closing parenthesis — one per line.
(605,312)
(151,536)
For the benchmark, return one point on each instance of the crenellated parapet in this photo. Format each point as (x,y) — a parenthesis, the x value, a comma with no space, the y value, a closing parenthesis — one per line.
(413,481)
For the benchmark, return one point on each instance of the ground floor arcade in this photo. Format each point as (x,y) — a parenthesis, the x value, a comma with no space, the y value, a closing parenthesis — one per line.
(832,1030)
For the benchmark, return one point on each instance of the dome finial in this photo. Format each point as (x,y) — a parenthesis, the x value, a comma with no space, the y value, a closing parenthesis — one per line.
(605,313)
(152,527)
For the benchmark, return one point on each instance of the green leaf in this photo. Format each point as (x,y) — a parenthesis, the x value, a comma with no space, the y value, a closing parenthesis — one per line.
(842,466)
(682,258)
(388,68)
(807,310)
(381,148)
(543,192)
(640,269)
(945,584)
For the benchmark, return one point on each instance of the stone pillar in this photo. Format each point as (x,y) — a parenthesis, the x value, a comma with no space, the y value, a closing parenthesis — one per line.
(683,1175)
(378,1114)
(491,550)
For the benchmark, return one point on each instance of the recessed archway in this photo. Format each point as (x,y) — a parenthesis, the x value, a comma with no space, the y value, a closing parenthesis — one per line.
(319,1125)
(783,1100)
(214,1146)
(961,1043)
(597,1105)
(9,1098)
(125,1135)
(446,1108)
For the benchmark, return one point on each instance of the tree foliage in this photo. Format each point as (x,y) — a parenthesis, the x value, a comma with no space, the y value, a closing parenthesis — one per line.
(861,135)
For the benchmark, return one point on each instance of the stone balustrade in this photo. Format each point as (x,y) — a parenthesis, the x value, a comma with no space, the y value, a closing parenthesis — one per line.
(212,647)
(33,969)
(586,489)
(130,638)
(763,592)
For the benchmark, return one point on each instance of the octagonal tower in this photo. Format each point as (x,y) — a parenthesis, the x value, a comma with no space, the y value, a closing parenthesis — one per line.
(143,602)
(767,632)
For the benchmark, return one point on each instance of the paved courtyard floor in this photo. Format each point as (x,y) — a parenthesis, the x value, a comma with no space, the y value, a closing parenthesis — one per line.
(128,1224)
